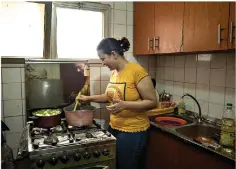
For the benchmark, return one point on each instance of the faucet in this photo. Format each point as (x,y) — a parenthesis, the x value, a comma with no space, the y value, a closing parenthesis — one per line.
(199,118)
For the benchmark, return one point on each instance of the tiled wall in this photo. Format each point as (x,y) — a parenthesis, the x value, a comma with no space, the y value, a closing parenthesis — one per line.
(208,77)
(13,102)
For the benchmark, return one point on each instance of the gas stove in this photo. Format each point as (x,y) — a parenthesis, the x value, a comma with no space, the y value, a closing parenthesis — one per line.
(65,147)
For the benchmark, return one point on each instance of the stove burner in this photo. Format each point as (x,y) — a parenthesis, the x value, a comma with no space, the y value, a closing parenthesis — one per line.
(51,140)
(88,135)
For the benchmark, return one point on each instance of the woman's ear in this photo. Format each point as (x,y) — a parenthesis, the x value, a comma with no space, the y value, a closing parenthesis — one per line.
(114,54)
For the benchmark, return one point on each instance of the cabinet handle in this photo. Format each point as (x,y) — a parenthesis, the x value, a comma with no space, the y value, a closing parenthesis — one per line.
(149,40)
(232,27)
(154,42)
(219,34)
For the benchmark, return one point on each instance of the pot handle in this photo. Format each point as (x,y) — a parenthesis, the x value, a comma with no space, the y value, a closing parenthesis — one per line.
(33,117)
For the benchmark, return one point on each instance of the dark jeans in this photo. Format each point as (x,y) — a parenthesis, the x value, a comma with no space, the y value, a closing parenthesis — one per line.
(130,149)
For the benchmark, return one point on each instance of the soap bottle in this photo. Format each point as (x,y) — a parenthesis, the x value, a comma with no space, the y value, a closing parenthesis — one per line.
(181,107)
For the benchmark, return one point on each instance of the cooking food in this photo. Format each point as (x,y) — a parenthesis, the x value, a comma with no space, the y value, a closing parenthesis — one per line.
(47,112)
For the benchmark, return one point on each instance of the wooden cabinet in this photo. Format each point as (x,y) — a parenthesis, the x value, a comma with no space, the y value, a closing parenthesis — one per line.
(143,27)
(158,27)
(172,27)
(166,151)
(168,27)
(205,26)
(231,41)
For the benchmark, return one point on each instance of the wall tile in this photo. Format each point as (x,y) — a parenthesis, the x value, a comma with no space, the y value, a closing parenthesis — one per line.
(160,86)
(230,78)
(105,73)
(190,89)
(204,108)
(215,110)
(230,96)
(169,87)
(110,3)
(204,60)
(120,5)
(218,60)
(202,92)
(170,61)
(119,31)
(13,108)
(169,73)
(130,20)
(131,46)
(190,75)
(217,95)
(130,32)
(130,6)
(11,91)
(179,74)
(231,61)
(120,17)
(203,76)
(143,60)
(22,72)
(190,61)
(10,75)
(23,107)
(104,86)
(218,77)
(161,61)
(179,61)
(152,62)
(178,88)
(95,73)
(160,73)
(95,87)
(15,124)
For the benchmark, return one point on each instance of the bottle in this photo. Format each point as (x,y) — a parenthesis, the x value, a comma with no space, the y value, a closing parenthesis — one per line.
(181,107)
(227,137)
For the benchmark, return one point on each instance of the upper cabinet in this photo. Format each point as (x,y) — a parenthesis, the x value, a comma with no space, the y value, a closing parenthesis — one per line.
(172,27)
(157,27)
(168,27)
(205,26)
(231,41)
(143,27)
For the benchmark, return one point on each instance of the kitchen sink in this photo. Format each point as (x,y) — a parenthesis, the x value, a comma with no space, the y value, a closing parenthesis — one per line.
(198,130)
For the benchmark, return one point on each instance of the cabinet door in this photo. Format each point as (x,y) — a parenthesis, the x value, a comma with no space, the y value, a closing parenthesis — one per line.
(143,27)
(202,21)
(168,26)
(231,44)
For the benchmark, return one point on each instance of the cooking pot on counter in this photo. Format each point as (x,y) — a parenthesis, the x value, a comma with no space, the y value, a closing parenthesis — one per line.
(82,116)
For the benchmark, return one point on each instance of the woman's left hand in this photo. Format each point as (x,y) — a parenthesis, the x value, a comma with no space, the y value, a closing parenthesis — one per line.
(117,107)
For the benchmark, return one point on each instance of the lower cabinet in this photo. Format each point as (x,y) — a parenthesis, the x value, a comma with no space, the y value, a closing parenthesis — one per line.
(165,151)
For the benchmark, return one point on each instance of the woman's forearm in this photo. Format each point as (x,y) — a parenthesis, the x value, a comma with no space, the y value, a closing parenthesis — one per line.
(141,105)
(98,98)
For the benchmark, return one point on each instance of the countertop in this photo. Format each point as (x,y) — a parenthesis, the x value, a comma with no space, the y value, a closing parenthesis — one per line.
(172,130)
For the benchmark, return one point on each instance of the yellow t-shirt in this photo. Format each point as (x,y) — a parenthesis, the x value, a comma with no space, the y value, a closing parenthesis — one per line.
(123,86)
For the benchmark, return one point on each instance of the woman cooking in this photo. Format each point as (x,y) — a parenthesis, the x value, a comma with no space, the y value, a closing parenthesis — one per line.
(130,93)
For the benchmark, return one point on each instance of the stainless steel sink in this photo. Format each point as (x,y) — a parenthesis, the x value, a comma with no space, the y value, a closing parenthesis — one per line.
(193,131)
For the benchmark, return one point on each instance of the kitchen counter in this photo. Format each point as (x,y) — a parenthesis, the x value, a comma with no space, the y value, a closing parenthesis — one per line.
(172,131)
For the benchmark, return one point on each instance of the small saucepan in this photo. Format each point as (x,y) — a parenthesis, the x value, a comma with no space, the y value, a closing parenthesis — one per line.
(46,118)
(82,116)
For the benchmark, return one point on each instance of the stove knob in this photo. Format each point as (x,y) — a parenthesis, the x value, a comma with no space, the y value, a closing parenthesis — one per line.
(64,159)
(77,156)
(40,163)
(87,155)
(96,154)
(106,152)
(53,161)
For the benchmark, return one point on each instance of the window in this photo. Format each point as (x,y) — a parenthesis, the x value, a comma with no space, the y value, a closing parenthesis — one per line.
(22,29)
(79,27)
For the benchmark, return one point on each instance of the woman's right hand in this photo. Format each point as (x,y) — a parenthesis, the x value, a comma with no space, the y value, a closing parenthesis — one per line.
(83,99)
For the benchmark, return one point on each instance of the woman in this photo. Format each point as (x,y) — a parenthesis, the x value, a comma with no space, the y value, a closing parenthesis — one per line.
(130,93)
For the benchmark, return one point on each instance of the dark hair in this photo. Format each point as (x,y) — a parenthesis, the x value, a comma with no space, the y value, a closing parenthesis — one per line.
(154,82)
(108,45)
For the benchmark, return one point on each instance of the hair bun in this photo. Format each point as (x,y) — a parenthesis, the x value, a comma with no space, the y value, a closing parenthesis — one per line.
(124,43)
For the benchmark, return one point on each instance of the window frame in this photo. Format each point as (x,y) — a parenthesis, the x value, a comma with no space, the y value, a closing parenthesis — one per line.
(91,6)
(50,46)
